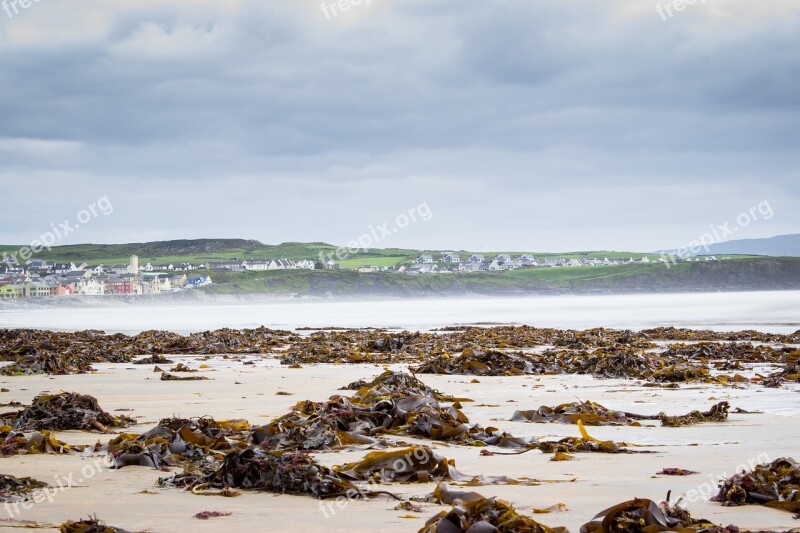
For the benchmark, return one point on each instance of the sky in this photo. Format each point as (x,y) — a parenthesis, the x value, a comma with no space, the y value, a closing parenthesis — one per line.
(529,125)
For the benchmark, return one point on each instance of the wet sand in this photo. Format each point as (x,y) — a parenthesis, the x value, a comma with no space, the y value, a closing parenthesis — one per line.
(239,391)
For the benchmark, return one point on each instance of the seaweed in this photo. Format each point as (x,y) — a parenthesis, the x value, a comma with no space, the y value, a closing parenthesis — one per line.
(483,350)
(15,443)
(205,515)
(676,472)
(417,464)
(477,362)
(394,403)
(391,383)
(180,367)
(594,414)
(166,376)
(717,413)
(643,515)
(13,489)
(475,513)
(157,359)
(775,484)
(278,472)
(90,525)
(177,440)
(352,346)
(63,411)
(584,443)
(789,373)
(47,352)
(590,413)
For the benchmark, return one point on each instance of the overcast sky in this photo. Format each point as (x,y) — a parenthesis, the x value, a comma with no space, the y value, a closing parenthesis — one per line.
(521,124)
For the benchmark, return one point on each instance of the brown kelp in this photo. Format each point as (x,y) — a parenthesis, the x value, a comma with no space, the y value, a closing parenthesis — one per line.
(477,362)
(483,350)
(351,346)
(16,443)
(775,484)
(391,383)
(392,404)
(178,440)
(418,464)
(474,513)
(90,525)
(66,410)
(166,376)
(590,413)
(717,413)
(789,373)
(36,352)
(594,414)
(14,489)
(643,515)
(584,443)
(279,472)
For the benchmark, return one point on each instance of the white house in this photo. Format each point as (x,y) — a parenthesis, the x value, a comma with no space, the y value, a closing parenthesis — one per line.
(306,264)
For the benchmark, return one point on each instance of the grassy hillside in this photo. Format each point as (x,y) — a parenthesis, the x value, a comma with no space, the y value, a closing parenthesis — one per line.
(742,274)
(204,250)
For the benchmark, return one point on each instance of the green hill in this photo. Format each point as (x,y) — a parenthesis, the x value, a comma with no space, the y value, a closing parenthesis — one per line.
(204,250)
(732,275)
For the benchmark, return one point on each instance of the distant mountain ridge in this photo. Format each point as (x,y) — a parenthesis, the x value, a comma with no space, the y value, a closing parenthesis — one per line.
(781,245)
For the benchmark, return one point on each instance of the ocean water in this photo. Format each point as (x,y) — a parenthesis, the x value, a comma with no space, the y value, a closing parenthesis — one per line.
(777,312)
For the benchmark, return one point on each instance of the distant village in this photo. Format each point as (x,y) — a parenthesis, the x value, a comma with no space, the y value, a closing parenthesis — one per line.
(38,278)
(449,262)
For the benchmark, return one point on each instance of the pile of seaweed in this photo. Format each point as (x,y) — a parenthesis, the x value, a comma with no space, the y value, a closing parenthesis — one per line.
(521,337)
(594,414)
(90,525)
(419,464)
(563,449)
(624,362)
(393,384)
(16,443)
(598,351)
(477,362)
(394,403)
(637,515)
(178,440)
(63,411)
(36,352)
(473,512)
(279,472)
(717,413)
(775,484)
(685,334)
(590,413)
(790,372)
(352,346)
(731,352)
(13,489)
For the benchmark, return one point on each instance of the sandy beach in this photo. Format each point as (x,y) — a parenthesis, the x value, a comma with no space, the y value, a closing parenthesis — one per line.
(128,497)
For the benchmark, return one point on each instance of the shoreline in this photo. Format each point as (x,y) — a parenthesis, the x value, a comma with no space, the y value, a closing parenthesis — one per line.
(768,311)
